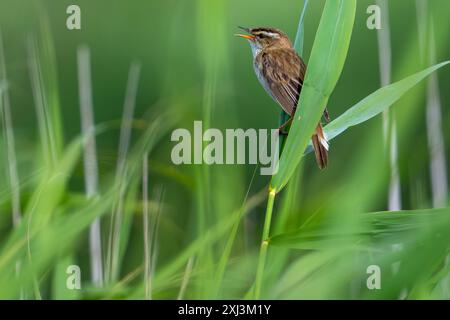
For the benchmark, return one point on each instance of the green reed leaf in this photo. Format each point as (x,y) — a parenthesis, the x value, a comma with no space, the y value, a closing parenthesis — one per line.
(388,226)
(325,65)
(377,102)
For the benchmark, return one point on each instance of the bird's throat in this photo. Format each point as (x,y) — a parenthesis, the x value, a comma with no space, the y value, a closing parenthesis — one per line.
(256,49)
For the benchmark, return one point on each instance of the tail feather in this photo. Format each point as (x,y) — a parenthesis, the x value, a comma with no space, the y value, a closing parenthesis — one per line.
(321,147)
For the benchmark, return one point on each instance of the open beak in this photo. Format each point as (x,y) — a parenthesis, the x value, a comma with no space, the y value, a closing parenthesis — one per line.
(245,36)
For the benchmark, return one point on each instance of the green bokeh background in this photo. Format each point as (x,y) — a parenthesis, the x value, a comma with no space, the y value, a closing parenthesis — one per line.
(193,66)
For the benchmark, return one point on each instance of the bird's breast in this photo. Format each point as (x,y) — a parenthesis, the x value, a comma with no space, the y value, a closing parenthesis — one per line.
(258,67)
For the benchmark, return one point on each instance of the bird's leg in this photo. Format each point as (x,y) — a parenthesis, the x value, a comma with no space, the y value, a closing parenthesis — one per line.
(284,125)
(326,115)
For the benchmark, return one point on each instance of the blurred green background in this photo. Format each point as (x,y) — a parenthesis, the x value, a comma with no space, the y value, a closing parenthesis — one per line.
(193,68)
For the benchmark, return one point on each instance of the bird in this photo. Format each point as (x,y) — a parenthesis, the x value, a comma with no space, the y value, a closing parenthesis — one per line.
(281,72)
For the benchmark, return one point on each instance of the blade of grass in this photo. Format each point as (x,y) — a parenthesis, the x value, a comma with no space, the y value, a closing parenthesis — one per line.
(5,111)
(156,129)
(90,159)
(145,214)
(42,73)
(48,63)
(375,225)
(48,151)
(187,274)
(229,244)
(384,58)
(38,232)
(41,208)
(377,102)
(211,49)
(389,123)
(154,231)
(13,176)
(436,143)
(300,36)
(264,245)
(151,228)
(117,221)
(208,238)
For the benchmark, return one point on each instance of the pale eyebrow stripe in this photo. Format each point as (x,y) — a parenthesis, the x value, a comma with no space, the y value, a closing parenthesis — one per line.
(269,34)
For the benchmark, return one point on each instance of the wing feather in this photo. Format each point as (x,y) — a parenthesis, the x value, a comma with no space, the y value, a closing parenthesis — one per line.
(282,72)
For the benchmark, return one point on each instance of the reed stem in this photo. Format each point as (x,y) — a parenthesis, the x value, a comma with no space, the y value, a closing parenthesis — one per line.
(389,122)
(116,222)
(10,149)
(145,222)
(90,159)
(264,243)
(298,45)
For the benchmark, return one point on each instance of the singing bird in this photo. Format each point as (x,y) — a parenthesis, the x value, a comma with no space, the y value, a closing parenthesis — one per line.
(281,71)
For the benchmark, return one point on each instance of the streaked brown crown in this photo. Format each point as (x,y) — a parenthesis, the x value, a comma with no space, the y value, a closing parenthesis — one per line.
(268,37)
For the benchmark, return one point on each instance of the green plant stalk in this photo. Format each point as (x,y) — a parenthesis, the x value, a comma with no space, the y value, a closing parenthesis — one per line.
(229,244)
(211,236)
(298,46)
(264,243)
(339,17)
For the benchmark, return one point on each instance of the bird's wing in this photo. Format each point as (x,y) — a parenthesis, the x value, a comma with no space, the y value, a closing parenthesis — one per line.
(283,72)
